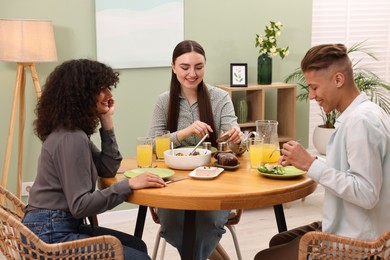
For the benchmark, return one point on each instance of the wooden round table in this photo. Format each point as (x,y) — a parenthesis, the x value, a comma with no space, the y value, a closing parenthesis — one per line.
(238,189)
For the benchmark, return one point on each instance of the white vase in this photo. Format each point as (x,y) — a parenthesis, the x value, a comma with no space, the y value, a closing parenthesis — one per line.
(321,137)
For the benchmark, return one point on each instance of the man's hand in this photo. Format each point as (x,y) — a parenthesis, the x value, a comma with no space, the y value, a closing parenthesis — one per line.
(295,154)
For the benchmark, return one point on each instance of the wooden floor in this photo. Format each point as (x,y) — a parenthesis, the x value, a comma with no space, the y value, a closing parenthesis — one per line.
(255,229)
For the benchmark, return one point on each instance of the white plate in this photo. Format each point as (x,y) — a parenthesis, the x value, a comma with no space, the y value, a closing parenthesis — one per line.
(212,175)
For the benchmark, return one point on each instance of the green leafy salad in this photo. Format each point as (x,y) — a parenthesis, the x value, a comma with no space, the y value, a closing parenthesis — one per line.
(272,169)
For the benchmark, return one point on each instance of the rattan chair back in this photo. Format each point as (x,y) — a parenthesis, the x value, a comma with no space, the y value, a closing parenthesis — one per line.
(318,245)
(18,242)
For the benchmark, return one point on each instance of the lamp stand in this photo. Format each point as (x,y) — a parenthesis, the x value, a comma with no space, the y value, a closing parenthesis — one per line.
(19,93)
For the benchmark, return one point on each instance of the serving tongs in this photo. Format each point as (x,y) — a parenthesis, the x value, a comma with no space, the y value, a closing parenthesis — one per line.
(196,146)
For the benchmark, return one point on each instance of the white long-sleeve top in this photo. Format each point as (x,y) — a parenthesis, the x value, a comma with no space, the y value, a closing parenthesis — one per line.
(356,174)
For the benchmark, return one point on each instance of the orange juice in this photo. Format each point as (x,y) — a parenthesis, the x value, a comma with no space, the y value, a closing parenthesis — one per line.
(162,144)
(267,150)
(144,155)
(255,152)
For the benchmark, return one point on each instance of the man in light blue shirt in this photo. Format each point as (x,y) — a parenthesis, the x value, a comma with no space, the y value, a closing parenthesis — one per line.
(356,173)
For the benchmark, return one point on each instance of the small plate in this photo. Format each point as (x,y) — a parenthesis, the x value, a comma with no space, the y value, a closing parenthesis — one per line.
(211,176)
(226,167)
(290,173)
(163,173)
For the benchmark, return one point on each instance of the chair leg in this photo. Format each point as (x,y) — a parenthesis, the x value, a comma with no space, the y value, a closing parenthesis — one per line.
(156,245)
(163,246)
(235,240)
(219,253)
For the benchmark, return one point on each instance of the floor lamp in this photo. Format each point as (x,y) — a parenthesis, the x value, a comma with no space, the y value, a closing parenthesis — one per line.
(25,42)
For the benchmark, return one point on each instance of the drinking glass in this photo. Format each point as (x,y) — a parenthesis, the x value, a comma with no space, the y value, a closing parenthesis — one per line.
(162,140)
(255,146)
(144,152)
(268,130)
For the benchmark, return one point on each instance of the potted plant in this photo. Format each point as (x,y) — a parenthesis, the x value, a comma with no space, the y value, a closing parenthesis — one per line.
(376,88)
(268,48)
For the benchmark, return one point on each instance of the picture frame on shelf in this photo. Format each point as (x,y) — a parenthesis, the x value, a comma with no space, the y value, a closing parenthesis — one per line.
(238,74)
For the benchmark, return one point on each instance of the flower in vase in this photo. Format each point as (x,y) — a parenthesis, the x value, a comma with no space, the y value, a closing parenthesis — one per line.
(267,43)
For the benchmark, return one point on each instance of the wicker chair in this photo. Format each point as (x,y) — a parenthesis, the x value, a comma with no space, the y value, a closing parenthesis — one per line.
(233,219)
(328,246)
(18,242)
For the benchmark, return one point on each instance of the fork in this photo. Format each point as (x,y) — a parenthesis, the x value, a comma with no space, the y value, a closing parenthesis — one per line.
(177,179)
(277,149)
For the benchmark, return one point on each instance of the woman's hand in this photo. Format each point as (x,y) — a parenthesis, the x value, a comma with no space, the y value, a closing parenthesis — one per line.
(146,180)
(295,154)
(106,116)
(198,128)
(235,135)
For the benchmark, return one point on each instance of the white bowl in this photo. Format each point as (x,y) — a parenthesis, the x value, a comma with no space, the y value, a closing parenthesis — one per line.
(187,162)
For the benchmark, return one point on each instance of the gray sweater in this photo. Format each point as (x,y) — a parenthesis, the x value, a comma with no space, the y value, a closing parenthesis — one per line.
(68,167)
(221,105)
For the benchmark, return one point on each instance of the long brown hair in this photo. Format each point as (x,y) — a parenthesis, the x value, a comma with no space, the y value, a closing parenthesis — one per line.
(204,103)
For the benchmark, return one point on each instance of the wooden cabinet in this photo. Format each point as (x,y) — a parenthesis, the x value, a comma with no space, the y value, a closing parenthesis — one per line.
(256,98)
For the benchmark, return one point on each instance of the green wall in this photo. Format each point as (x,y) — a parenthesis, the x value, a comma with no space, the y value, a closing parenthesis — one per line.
(225,28)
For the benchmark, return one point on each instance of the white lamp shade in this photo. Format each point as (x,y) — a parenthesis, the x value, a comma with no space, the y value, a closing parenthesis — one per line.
(27,41)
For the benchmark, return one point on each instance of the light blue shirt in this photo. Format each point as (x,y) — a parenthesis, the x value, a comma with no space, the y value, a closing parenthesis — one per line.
(356,174)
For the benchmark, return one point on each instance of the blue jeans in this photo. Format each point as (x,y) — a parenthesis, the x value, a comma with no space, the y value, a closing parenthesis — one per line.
(209,229)
(54,226)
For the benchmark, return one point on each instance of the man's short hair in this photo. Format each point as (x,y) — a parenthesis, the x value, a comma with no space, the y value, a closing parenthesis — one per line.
(322,56)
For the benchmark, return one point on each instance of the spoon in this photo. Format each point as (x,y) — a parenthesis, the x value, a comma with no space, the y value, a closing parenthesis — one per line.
(173,153)
(196,146)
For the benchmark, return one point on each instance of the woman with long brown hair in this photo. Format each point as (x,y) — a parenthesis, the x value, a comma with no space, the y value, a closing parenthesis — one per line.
(192,109)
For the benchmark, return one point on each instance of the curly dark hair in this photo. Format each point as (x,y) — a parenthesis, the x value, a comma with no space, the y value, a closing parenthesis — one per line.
(69,97)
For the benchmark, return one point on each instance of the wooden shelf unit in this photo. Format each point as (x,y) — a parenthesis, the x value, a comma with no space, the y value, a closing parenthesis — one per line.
(286,106)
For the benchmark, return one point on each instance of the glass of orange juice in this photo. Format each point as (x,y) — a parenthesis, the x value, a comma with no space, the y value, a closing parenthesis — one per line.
(162,141)
(144,152)
(255,146)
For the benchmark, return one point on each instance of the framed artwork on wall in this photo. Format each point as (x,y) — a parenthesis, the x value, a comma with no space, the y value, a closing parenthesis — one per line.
(238,74)
(138,34)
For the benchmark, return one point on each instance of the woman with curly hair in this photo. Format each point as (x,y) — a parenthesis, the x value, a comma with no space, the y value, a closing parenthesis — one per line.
(75,99)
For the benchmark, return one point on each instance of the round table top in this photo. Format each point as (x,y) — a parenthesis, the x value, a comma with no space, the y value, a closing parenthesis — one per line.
(238,189)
